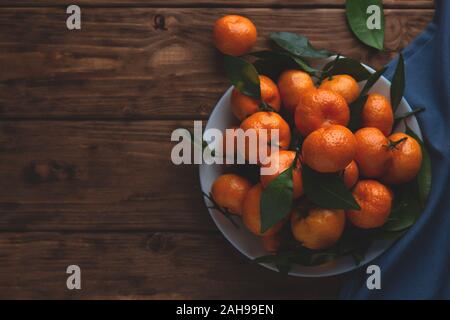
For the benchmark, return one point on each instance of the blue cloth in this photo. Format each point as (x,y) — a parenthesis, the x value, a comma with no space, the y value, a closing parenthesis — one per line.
(418,265)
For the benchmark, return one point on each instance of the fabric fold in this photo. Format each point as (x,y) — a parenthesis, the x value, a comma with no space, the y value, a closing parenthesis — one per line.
(418,265)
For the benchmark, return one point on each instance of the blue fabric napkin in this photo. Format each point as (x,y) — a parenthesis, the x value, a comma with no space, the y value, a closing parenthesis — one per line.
(418,265)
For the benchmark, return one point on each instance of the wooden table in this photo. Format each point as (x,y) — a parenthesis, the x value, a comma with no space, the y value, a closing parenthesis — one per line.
(85,125)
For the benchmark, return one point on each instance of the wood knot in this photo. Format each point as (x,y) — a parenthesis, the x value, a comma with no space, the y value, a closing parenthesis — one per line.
(158,242)
(159,22)
(46,171)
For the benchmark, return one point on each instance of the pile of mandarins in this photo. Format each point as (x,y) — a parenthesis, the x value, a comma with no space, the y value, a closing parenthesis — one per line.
(369,160)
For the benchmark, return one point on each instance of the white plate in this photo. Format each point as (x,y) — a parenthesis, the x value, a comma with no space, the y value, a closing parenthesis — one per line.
(250,245)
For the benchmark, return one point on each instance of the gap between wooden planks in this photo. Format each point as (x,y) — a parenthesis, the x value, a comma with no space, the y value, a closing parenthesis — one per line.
(119,66)
(147,265)
(94,175)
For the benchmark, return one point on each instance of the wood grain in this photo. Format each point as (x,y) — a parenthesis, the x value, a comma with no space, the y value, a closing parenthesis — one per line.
(216,3)
(143,266)
(119,66)
(97,176)
(82,184)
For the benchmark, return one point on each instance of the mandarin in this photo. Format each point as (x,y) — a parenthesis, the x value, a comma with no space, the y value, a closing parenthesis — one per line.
(377,113)
(292,85)
(243,106)
(343,84)
(229,192)
(251,213)
(319,108)
(271,243)
(406,159)
(317,228)
(329,149)
(351,174)
(375,200)
(234,35)
(372,152)
(269,121)
(285,159)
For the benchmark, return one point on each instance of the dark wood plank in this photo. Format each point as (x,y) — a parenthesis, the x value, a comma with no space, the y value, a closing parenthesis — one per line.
(96,176)
(120,66)
(216,3)
(143,265)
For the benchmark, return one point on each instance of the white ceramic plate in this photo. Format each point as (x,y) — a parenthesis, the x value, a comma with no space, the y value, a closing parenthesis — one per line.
(250,245)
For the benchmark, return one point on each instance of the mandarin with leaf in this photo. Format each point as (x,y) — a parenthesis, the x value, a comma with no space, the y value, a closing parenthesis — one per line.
(243,106)
(406,159)
(281,161)
(375,200)
(251,213)
(351,174)
(268,121)
(229,192)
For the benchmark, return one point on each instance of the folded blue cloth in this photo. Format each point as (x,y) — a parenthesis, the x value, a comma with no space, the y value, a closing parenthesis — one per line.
(418,265)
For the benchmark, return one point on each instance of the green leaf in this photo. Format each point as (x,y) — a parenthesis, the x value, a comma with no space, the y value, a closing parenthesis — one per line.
(347,66)
(276,200)
(297,45)
(322,257)
(305,66)
(425,174)
(283,261)
(406,208)
(265,259)
(356,108)
(243,76)
(263,106)
(284,266)
(296,140)
(390,235)
(372,80)
(271,68)
(299,255)
(354,242)
(406,115)
(360,17)
(327,190)
(273,63)
(398,83)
